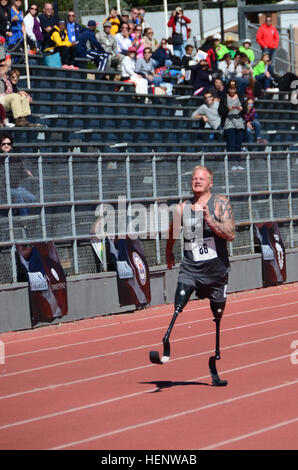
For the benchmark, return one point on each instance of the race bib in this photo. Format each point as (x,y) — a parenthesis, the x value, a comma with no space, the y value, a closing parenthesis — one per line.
(37,281)
(124,270)
(205,250)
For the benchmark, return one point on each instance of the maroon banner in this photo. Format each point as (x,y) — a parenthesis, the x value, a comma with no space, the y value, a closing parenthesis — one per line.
(273,253)
(46,279)
(133,277)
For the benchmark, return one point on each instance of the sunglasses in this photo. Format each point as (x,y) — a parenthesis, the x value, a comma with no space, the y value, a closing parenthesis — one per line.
(6,143)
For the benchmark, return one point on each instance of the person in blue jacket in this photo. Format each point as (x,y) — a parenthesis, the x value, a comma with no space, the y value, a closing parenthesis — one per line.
(97,53)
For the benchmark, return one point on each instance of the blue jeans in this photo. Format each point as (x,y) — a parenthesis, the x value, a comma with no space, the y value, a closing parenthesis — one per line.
(234,139)
(258,131)
(266,81)
(271,53)
(179,51)
(21,195)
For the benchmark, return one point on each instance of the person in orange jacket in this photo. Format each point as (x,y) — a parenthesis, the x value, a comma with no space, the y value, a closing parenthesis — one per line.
(268,39)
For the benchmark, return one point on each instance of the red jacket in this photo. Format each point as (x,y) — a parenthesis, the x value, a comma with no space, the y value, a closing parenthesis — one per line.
(267,36)
(172,24)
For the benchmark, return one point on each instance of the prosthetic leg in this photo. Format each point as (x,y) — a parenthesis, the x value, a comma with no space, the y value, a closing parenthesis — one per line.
(183,293)
(217,310)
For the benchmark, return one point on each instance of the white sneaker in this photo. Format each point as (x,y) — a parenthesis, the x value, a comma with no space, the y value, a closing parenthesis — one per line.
(272,90)
(9,124)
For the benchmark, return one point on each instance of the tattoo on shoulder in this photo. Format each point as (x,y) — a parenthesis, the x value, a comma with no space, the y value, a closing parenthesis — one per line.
(224,207)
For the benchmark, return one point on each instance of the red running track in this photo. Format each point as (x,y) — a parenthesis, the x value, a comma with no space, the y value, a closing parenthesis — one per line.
(90,384)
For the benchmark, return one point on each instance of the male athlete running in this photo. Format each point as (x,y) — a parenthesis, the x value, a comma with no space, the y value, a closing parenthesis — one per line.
(208,223)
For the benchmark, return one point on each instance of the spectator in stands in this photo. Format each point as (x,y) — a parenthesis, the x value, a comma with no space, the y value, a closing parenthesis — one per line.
(232,109)
(137,40)
(209,47)
(33,27)
(17,103)
(59,42)
(18,173)
(73,29)
(97,53)
(48,20)
(149,40)
(5,23)
(246,49)
(207,113)
(134,16)
(268,39)
(124,17)
(180,31)
(162,57)
(115,19)
(129,72)
(188,56)
(220,48)
(142,21)
(202,77)
(231,45)
(17,27)
(109,43)
(262,74)
(122,38)
(218,89)
(145,67)
(4,122)
(252,124)
(227,67)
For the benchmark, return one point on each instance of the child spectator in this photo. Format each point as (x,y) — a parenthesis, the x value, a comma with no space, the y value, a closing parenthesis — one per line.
(129,72)
(262,74)
(246,49)
(252,124)
(115,20)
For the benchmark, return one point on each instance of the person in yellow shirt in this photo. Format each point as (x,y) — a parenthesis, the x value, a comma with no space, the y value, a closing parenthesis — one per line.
(115,20)
(59,42)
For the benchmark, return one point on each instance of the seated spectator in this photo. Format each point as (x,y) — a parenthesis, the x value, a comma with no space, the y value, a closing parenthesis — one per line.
(17,103)
(220,48)
(109,43)
(162,57)
(59,42)
(246,49)
(149,40)
(218,89)
(134,16)
(231,46)
(115,19)
(123,40)
(33,27)
(136,40)
(262,74)
(18,173)
(145,67)
(188,56)
(227,67)
(129,72)
(17,27)
(73,29)
(5,23)
(202,78)
(97,53)
(252,124)
(207,113)
(47,20)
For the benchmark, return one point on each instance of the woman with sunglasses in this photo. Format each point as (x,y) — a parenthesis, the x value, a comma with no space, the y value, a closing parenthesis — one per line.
(18,173)
(137,40)
(33,27)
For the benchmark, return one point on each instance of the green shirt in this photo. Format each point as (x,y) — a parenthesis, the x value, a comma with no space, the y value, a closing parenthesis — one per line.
(249,52)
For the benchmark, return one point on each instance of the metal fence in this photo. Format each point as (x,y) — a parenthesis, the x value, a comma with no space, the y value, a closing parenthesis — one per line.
(68,189)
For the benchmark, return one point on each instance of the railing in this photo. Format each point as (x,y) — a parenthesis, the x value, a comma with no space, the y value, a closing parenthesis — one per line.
(71,189)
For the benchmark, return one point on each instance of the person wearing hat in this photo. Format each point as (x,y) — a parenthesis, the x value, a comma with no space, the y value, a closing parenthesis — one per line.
(246,49)
(96,54)
(109,43)
(115,20)
(59,42)
(129,72)
(180,31)
(230,44)
(220,49)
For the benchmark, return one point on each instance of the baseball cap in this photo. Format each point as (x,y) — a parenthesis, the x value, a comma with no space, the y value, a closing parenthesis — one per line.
(92,23)
(247,40)
(217,36)
(107,23)
(131,49)
(125,13)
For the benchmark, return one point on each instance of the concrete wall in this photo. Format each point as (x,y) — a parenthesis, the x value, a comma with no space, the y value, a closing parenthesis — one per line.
(87,294)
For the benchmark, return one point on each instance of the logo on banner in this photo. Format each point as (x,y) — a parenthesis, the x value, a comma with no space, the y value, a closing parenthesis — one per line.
(140,267)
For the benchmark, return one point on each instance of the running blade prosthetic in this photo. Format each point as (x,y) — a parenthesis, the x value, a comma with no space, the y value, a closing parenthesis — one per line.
(215,377)
(154,355)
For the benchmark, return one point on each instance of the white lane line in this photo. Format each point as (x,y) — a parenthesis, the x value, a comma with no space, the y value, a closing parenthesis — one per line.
(174,416)
(132,395)
(97,356)
(123,335)
(251,434)
(126,320)
(110,374)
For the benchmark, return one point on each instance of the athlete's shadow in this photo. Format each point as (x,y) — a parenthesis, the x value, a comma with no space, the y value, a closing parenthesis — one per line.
(161,384)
